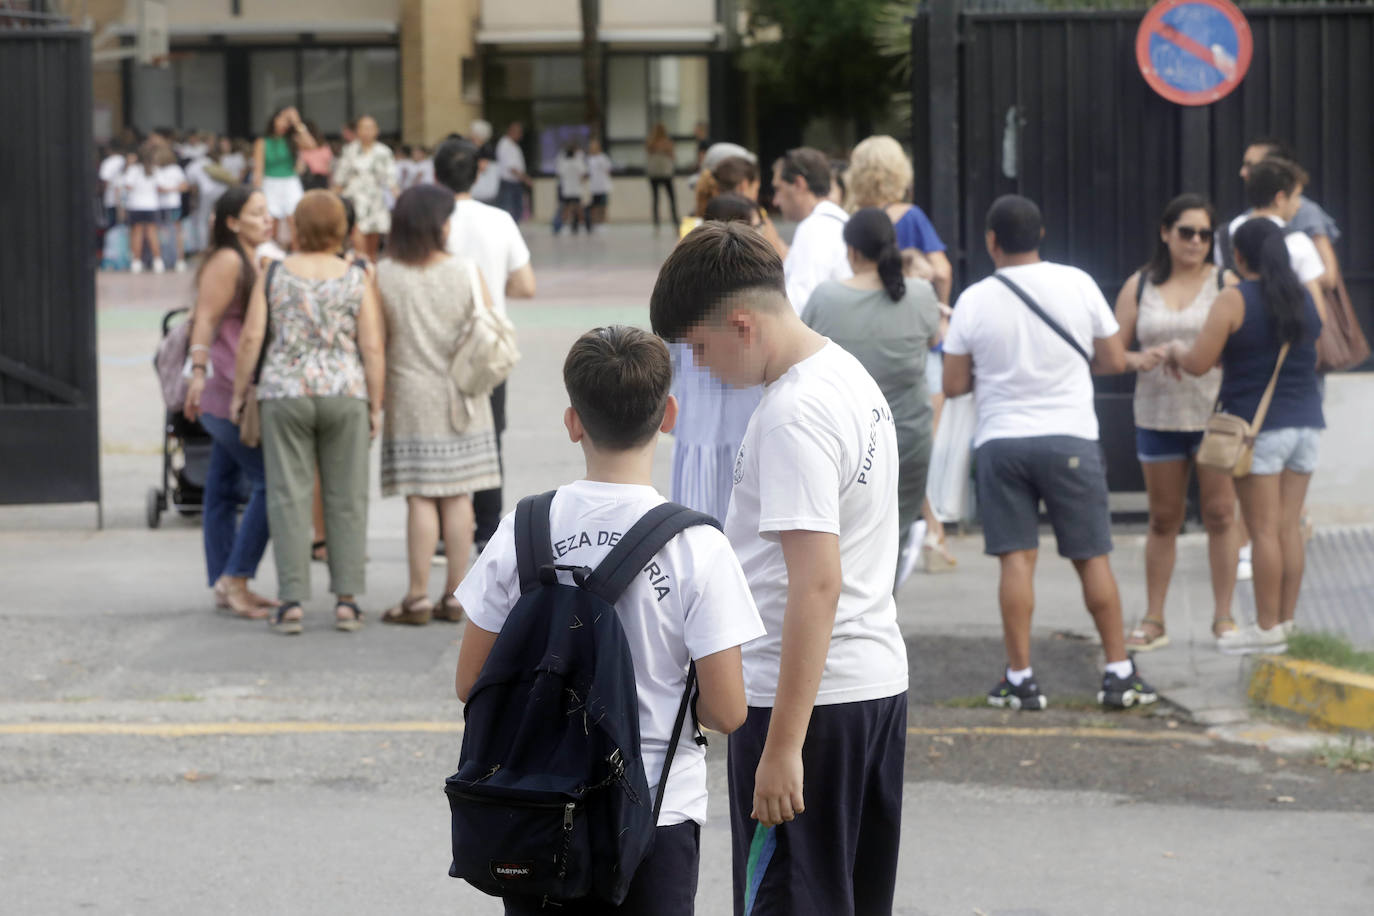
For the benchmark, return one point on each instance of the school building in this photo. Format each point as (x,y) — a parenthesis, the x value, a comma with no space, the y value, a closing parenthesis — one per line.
(423,68)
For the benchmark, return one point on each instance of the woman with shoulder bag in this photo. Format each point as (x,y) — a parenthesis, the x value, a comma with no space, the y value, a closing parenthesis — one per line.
(1264,333)
(233,546)
(438,444)
(320,401)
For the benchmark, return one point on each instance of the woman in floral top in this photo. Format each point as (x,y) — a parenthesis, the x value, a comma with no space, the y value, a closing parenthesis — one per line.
(366,173)
(320,396)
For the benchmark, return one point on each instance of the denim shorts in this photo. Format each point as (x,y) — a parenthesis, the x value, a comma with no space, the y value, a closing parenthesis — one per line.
(1152,445)
(1291,449)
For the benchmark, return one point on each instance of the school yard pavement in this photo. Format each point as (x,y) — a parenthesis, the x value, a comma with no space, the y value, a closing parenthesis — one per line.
(157,758)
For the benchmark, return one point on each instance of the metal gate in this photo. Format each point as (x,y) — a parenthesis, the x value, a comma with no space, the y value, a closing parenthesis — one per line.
(1051,105)
(49,436)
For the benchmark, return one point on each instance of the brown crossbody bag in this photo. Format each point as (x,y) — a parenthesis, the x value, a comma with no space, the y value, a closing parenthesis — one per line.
(1228,442)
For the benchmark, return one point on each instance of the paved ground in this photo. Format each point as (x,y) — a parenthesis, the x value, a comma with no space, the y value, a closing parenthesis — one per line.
(156,758)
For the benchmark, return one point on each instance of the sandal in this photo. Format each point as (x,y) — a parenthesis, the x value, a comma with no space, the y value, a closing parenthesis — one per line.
(1140,639)
(283,625)
(318,552)
(449,609)
(415,612)
(240,602)
(351,624)
(935,556)
(1222,626)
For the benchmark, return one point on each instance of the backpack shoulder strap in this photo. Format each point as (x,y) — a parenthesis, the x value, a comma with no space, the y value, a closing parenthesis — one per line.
(533,542)
(647,537)
(267,334)
(1223,243)
(1055,326)
(1139,288)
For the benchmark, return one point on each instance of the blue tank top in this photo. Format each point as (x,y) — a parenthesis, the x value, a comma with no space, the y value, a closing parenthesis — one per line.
(1248,360)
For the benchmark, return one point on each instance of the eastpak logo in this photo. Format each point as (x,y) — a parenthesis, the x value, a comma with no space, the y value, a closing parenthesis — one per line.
(512,871)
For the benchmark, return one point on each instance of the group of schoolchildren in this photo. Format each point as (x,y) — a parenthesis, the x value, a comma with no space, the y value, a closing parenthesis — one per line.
(786,618)
(584,186)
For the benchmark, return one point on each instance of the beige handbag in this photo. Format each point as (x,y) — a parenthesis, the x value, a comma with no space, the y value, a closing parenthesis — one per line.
(1228,442)
(486,351)
(250,419)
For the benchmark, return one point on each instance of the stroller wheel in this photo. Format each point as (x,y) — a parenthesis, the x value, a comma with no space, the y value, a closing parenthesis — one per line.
(154,507)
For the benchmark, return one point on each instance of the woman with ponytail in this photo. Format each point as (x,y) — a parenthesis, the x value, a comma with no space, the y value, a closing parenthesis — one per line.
(889,323)
(1246,332)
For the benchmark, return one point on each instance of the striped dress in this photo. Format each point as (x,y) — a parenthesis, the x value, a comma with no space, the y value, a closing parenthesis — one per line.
(426,309)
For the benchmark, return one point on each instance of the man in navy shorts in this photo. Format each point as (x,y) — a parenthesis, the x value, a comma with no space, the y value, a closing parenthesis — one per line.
(1025,336)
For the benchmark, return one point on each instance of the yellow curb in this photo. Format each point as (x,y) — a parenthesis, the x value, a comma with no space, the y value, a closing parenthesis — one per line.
(1328,696)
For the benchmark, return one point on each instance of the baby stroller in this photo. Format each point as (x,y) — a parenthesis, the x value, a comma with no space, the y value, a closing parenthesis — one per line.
(185,445)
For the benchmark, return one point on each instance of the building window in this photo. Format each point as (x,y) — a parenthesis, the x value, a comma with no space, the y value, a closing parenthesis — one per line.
(324,87)
(644,90)
(272,77)
(377,87)
(544,93)
(201,99)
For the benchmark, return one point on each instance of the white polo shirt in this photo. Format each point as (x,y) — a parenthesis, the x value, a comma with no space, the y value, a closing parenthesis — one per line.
(488,235)
(818,253)
(1302,253)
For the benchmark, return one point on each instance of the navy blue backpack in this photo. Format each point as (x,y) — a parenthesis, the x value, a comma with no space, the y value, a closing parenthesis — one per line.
(550,799)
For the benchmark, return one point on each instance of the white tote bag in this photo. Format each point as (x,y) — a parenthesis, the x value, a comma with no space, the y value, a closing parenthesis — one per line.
(951,457)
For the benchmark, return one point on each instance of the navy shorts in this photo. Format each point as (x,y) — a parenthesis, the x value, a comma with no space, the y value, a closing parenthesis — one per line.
(599,200)
(1068,473)
(665,884)
(839,857)
(171,214)
(147,217)
(1154,445)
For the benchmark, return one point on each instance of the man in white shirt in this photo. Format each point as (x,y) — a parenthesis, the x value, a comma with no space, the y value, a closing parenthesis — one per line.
(1025,336)
(599,167)
(813,520)
(510,168)
(490,237)
(1273,189)
(801,185)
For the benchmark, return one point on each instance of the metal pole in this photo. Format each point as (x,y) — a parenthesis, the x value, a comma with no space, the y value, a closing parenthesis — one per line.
(1195,146)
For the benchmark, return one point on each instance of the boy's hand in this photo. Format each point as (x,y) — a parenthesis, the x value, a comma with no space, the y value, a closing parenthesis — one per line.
(778,787)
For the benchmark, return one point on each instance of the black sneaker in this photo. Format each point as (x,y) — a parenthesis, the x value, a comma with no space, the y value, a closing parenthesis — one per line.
(1027,696)
(1125,692)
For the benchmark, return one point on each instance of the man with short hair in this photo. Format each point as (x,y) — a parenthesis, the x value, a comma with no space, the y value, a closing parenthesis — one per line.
(801,186)
(1025,334)
(510,169)
(813,520)
(490,237)
(1311,218)
(1273,189)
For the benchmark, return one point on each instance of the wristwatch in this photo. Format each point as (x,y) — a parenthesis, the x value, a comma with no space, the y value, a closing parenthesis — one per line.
(187,373)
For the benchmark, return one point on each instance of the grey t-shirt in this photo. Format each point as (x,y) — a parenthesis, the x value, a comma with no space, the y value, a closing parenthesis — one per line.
(1313,220)
(890,339)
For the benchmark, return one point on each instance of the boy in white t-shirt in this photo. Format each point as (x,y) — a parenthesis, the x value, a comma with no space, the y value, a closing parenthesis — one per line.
(691,603)
(1273,188)
(599,167)
(813,519)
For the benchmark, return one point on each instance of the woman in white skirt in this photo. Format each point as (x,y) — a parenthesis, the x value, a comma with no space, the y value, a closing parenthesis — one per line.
(275,168)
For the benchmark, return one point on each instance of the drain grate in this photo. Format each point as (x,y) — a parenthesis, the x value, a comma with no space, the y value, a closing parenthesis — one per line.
(1337,587)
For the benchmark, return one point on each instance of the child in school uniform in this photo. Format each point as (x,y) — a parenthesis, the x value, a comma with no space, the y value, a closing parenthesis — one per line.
(691,603)
(813,520)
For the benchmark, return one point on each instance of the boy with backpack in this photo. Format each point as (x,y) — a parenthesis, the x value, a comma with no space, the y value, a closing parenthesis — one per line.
(813,520)
(542,656)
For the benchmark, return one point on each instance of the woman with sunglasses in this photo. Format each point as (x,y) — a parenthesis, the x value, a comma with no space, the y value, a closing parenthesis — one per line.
(1166,301)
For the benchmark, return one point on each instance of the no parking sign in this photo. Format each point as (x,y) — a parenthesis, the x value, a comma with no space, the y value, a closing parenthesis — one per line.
(1194,52)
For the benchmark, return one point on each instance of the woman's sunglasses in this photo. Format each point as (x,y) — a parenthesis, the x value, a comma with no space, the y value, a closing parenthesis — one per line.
(1188,233)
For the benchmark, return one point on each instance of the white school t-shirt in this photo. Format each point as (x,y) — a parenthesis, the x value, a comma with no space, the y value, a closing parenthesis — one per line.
(140,189)
(1028,380)
(110,169)
(570,170)
(170,176)
(599,174)
(1302,253)
(690,602)
(820,454)
(405,173)
(818,253)
(489,236)
(510,159)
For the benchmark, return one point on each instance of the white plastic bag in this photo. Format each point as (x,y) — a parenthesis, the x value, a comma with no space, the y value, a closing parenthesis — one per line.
(951,458)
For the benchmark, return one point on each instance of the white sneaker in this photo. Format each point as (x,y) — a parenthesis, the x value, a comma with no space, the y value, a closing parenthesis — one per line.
(181,266)
(1251,640)
(1289,627)
(1245,569)
(158,266)
(135,267)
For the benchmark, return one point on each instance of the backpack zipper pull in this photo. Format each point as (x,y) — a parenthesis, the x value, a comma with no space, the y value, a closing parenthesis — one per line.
(568,816)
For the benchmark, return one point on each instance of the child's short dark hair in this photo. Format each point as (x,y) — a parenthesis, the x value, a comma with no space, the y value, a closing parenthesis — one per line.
(1268,178)
(715,261)
(618,379)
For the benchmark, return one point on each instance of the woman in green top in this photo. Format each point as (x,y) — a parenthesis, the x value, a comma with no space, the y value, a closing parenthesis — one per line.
(275,169)
(889,323)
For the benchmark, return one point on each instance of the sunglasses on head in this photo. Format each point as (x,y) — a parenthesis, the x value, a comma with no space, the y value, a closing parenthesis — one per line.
(1188,233)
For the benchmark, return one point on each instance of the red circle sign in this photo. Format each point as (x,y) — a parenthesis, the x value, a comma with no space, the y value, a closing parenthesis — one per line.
(1194,52)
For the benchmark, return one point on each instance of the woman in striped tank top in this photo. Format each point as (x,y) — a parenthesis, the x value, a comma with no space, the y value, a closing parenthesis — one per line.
(1168,300)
